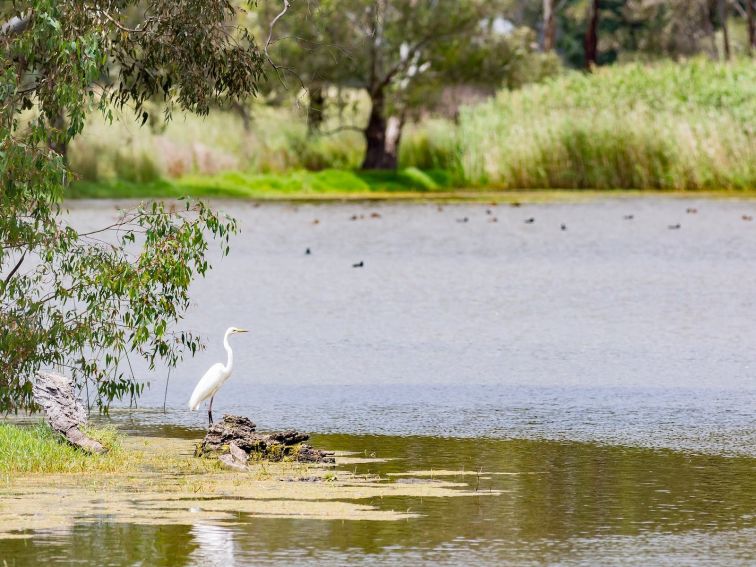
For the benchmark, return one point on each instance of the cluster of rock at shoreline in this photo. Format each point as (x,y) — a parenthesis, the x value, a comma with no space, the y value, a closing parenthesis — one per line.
(235,441)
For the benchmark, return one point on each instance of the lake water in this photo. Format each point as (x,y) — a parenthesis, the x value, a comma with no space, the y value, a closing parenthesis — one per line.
(611,365)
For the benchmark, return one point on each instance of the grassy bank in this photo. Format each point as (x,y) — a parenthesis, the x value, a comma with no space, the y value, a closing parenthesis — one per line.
(38,449)
(214,188)
(294,184)
(686,126)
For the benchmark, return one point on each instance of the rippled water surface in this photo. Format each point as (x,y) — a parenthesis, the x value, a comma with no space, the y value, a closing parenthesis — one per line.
(561,502)
(608,368)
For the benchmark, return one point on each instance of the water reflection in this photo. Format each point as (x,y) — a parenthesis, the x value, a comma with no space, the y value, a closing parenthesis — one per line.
(215,545)
(563,502)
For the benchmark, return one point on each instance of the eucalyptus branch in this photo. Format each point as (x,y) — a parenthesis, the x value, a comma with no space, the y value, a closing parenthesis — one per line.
(15,268)
(273,22)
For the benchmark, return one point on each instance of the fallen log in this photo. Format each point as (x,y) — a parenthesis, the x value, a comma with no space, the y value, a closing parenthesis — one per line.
(235,441)
(64,411)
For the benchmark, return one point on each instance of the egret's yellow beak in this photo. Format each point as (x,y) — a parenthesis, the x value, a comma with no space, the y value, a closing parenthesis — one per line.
(242,331)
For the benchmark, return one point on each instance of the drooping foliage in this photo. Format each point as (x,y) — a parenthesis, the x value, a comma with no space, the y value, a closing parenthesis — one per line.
(88,301)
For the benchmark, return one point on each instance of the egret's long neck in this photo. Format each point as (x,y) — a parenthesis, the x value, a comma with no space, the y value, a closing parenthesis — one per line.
(230,363)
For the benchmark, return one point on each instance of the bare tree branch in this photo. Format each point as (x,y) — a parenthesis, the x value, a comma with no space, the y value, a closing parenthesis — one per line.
(15,269)
(143,28)
(273,22)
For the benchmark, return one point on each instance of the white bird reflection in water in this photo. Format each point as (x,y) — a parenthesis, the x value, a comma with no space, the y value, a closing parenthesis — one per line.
(215,546)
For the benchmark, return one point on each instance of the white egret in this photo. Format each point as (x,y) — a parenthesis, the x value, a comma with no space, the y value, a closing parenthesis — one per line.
(214,378)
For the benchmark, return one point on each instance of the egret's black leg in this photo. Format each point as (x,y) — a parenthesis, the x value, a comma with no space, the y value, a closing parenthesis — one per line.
(210,411)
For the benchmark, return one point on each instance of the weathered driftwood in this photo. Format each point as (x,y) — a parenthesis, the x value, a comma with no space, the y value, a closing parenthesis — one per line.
(235,440)
(64,412)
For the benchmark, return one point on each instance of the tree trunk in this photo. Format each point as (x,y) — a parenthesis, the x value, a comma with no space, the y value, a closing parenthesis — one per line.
(65,413)
(243,111)
(751,26)
(58,142)
(315,109)
(15,25)
(708,25)
(591,36)
(722,16)
(549,26)
(381,152)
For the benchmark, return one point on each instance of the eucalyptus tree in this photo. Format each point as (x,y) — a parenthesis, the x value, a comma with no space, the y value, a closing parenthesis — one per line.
(90,301)
(549,25)
(393,50)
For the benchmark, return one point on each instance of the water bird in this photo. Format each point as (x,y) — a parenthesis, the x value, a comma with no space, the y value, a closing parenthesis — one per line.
(316,221)
(674,226)
(215,377)
(493,219)
(308,252)
(516,204)
(359,264)
(464,219)
(629,217)
(353,217)
(375,215)
(691,210)
(531,220)
(747,217)
(564,226)
(489,212)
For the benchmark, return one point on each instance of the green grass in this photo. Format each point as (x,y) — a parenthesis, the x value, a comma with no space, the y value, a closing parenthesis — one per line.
(295,184)
(38,449)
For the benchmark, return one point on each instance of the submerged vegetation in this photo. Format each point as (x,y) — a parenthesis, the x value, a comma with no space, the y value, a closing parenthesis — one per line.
(153,480)
(666,126)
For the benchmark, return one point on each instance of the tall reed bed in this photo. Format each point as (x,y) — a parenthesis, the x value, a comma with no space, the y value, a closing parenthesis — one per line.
(276,141)
(674,125)
(689,125)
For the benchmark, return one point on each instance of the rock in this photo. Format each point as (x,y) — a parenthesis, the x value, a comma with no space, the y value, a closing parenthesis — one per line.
(229,461)
(65,413)
(289,437)
(236,440)
(308,454)
(238,454)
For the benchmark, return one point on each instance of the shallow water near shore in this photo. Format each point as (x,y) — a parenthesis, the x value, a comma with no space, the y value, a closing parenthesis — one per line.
(528,502)
(596,385)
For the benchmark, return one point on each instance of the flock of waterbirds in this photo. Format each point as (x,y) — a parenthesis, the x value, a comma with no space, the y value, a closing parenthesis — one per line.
(494,219)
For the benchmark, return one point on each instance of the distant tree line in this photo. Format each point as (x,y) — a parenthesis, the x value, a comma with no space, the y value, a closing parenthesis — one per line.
(651,28)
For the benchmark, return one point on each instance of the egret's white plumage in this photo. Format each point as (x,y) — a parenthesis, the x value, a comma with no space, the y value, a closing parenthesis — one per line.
(215,377)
